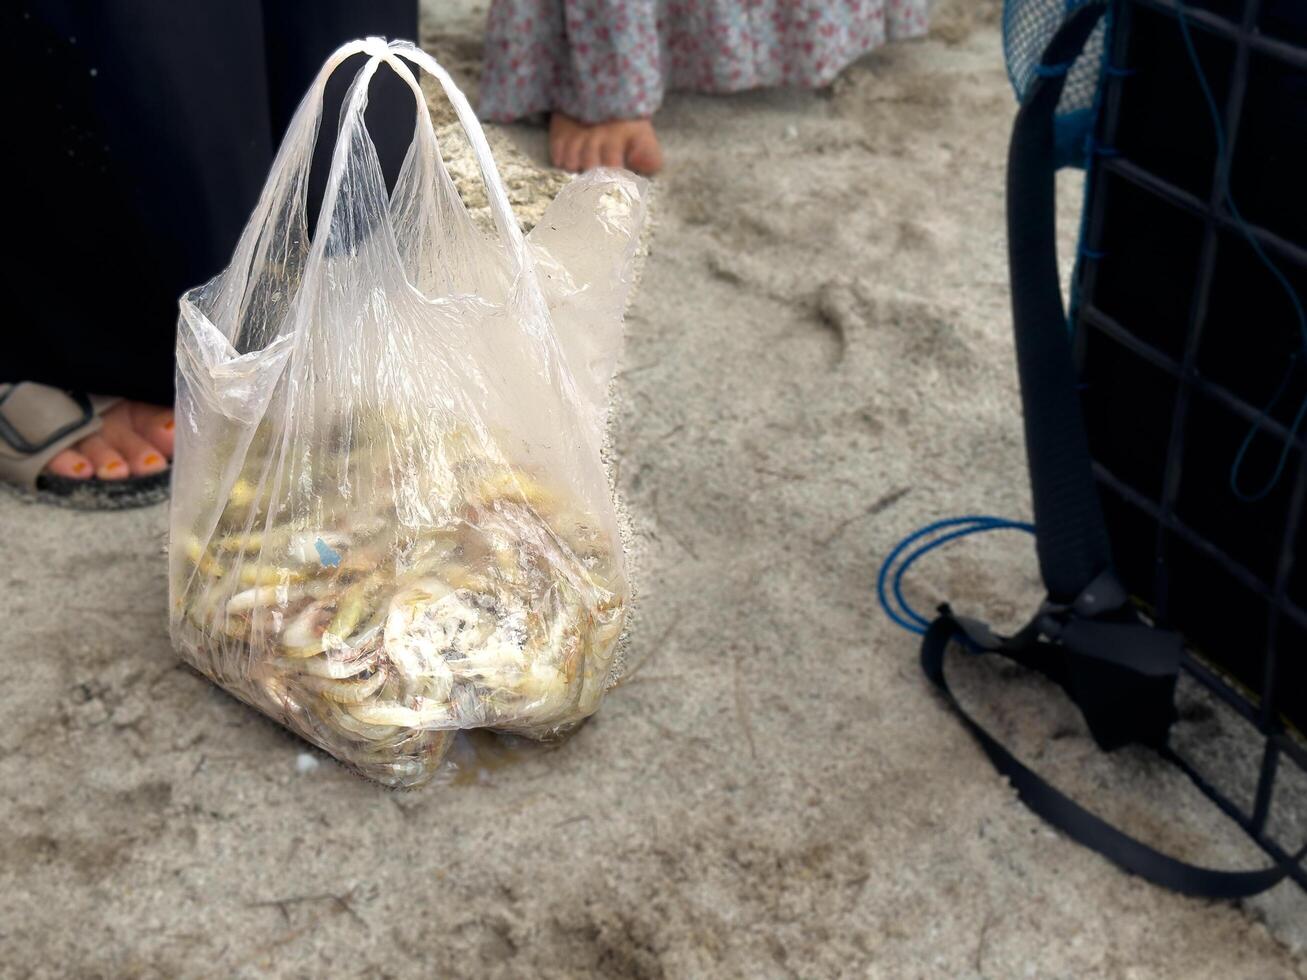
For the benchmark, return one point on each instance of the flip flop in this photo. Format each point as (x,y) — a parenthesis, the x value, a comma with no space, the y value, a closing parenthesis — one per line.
(37,422)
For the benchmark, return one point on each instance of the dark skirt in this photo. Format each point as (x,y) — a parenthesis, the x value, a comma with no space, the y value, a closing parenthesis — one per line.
(138,136)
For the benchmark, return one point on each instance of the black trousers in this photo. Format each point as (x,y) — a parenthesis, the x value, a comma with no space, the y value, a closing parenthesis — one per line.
(139,134)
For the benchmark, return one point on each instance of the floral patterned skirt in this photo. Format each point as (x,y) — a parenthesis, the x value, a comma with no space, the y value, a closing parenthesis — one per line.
(614,59)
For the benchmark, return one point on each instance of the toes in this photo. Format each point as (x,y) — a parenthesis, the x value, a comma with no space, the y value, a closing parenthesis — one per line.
(643,154)
(107,461)
(569,150)
(560,143)
(72,464)
(579,147)
(134,439)
(610,153)
(590,151)
(566,136)
(156,425)
(143,458)
(139,430)
(563,136)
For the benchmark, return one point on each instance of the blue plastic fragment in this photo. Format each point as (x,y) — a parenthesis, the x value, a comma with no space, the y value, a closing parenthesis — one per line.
(329,556)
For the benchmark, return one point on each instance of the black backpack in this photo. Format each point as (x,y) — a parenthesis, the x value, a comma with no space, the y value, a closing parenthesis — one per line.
(1177,388)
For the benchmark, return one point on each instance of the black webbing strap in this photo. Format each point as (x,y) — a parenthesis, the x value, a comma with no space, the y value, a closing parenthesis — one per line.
(1119,671)
(1074,820)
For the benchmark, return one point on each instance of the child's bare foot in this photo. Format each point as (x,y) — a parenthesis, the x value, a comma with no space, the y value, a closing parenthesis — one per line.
(578,146)
(135,439)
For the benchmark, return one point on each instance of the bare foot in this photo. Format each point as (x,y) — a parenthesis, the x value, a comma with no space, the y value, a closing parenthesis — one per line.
(630,143)
(135,440)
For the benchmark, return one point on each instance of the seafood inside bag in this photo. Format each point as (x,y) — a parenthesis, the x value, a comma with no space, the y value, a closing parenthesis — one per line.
(390,518)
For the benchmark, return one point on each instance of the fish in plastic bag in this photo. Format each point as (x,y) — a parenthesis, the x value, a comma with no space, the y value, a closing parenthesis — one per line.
(390,519)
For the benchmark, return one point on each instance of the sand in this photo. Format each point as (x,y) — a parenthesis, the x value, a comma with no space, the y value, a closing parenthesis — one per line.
(818,361)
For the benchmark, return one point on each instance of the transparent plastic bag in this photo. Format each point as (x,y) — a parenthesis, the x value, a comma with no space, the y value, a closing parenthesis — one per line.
(390,519)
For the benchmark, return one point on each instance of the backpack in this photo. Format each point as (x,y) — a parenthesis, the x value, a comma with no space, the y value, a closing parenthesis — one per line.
(1163,412)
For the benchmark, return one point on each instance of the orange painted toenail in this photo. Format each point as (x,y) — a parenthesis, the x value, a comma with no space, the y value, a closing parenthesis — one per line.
(113,467)
(154,459)
(169,425)
(80,468)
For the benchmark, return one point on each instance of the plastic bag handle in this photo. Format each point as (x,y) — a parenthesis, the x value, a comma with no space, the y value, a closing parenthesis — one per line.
(381,52)
(291,161)
(505,219)
(290,165)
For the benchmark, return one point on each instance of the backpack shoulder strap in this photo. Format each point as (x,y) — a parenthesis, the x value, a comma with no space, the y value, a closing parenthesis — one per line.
(1072,540)
(1119,671)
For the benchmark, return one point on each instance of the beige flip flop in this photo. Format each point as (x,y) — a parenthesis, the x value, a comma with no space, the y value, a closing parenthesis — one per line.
(37,422)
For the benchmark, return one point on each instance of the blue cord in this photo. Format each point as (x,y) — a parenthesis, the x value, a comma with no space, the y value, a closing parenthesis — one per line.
(957,527)
(1221,148)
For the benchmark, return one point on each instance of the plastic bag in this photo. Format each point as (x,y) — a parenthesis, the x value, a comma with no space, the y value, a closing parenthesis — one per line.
(390,519)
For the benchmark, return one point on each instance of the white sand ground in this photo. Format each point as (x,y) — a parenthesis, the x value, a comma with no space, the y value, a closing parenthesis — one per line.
(818,362)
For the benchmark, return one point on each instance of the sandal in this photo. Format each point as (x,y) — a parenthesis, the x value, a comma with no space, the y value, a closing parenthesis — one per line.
(38,422)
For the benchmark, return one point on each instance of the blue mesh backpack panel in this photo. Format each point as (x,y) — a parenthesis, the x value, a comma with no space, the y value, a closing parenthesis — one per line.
(1028,26)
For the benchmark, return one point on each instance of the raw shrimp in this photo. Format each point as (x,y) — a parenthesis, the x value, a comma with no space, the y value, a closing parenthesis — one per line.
(377,638)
